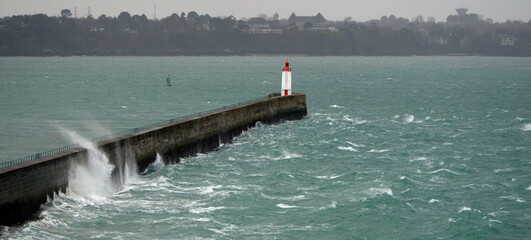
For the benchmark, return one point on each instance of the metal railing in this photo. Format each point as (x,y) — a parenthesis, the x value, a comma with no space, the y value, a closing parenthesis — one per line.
(122,133)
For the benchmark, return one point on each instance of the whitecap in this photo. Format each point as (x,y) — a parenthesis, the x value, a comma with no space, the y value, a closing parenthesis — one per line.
(379,191)
(207,190)
(379,151)
(528,188)
(354,144)
(288,198)
(502,170)
(419,159)
(465,209)
(124,107)
(444,170)
(447,143)
(205,210)
(328,177)
(347,149)
(336,106)
(288,155)
(513,198)
(409,118)
(396,116)
(526,127)
(281,205)
(332,205)
(433,200)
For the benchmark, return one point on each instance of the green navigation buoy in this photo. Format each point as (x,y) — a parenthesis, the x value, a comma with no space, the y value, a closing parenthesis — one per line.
(168,80)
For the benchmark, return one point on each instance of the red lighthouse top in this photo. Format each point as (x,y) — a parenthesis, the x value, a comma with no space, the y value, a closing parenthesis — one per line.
(287,68)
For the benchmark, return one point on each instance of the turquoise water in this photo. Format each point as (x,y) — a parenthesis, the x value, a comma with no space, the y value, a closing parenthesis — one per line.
(392,147)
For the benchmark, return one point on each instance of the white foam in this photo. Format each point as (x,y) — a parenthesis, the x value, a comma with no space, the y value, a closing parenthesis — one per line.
(205,210)
(419,159)
(289,198)
(281,205)
(124,107)
(513,198)
(444,170)
(92,179)
(526,127)
(502,170)
(207,190)
(332,205)
(329,177)
(433,200)
(354,144)
(379,191)
(528,188)
(347,149)
(465,209)
(336,106)
(409,118)
(288,155)
(379,151)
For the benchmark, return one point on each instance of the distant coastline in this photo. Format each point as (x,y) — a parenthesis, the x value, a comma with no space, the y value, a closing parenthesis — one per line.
(201,35)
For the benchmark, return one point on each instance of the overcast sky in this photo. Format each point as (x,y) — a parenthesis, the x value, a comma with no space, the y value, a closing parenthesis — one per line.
(359,10)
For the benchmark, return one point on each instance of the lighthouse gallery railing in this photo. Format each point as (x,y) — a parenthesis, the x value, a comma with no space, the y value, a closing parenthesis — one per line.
(122,133)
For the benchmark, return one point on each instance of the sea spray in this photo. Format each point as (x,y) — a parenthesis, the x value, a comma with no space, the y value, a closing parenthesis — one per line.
(126,169)
(93,177)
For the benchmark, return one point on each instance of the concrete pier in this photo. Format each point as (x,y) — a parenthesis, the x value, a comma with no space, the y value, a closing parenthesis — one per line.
(24,187)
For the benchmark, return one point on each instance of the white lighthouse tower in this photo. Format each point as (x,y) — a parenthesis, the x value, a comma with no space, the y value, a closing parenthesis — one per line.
(286,80)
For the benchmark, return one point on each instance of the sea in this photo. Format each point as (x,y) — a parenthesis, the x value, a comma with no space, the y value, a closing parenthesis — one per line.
(392,147)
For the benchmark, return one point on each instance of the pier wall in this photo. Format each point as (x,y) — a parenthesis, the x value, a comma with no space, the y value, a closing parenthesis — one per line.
(24,187)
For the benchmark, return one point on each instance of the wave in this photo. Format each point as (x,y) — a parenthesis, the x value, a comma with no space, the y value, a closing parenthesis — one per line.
(331,206)
(444,170)
(281,205)
(347,149)
(513,198)
(289,198)
(355,145)
(526,127)
(465,209)
(336,106)
(409,118)
(92,180)
(373,192)
(379,151)
(329,177)
(205,209)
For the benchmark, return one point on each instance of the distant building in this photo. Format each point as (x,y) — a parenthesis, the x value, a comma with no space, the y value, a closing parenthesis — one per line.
(508,40)
(261,26)
(461,11)
(309,23)
(462,16)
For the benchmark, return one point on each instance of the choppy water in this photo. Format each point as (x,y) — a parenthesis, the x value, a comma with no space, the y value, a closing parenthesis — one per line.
(392,148)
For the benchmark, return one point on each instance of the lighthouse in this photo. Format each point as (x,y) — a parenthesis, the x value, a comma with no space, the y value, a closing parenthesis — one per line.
(286,80)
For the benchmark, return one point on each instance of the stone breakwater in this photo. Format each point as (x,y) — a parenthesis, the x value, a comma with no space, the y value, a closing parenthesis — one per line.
(24,187)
